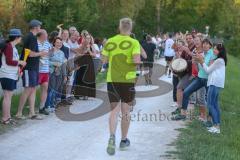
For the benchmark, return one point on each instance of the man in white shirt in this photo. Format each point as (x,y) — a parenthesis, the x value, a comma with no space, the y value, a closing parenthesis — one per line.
(74,48)
(73,44)
(169,54)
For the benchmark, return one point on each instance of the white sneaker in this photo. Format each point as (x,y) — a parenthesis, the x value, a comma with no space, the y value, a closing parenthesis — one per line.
(174,104)
(145,72)
(214,130)
(50,109)
(103,70)
(138,72)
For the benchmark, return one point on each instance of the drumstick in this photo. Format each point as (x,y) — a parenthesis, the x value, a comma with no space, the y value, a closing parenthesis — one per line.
(59,26)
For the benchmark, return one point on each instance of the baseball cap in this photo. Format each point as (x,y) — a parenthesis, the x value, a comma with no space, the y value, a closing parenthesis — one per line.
(15,32)
(34,23)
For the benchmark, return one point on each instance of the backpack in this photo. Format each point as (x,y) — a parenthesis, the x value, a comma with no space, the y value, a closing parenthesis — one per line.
(2,47)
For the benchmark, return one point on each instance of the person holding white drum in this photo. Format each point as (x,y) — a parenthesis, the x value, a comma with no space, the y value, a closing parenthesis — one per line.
(198,82)
(183,69)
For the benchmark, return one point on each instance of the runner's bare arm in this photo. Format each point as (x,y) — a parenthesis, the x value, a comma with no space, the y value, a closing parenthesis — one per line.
(143,53)
(137,59)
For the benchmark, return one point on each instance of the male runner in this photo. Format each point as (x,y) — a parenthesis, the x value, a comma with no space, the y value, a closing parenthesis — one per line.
(123,54)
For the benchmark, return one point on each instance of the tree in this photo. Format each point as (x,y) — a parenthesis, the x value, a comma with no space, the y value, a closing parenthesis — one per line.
(11,15)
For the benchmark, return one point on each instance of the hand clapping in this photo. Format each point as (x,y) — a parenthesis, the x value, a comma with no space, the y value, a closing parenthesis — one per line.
(198,58)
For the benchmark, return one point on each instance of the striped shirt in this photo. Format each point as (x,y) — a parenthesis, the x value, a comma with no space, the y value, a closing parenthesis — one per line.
(44,61)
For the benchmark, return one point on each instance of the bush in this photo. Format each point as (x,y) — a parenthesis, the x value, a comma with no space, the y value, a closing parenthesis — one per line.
(233,46)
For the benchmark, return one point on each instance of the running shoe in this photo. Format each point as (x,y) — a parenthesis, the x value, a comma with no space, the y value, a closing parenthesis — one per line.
(111,146)
(177,111)
(179,117)
(43,111)
(66,102)
(150,82)
(124,144)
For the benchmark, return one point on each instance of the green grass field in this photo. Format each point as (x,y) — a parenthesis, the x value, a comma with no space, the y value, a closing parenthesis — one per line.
(195,143)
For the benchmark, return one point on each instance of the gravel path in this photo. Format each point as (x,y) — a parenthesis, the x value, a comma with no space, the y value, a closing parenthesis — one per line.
(151,133)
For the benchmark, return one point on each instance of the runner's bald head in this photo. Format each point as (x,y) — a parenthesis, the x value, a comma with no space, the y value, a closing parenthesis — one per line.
(125,25)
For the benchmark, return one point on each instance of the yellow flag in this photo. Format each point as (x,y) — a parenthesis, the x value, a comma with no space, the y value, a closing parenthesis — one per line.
(26,54)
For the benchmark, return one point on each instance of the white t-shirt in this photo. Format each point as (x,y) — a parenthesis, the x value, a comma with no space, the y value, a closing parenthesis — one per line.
(169,52)
(7,71)
(72,45)
(98,55)
(216,73)
(66,44)
(159,41)
(154,40)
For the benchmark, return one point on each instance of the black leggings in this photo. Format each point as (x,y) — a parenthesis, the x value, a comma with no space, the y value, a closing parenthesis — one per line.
(175,81)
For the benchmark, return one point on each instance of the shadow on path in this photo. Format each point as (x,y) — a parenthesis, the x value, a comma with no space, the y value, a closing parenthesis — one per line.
(64,113)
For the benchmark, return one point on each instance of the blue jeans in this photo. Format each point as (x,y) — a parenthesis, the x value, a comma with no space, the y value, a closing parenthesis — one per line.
(212,103)
(50,98)
(195,85)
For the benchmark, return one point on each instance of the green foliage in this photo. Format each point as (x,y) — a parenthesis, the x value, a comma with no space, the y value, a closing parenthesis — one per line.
(101,17)
(233,46)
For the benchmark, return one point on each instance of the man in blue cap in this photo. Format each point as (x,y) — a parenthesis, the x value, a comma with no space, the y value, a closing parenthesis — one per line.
(31,70)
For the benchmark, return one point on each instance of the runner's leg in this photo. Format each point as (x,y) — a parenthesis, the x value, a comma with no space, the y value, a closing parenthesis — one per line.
(125,123)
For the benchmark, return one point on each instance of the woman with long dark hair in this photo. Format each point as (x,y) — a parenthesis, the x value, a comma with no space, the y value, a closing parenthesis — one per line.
(9,72)
(216,80)
(85,76)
